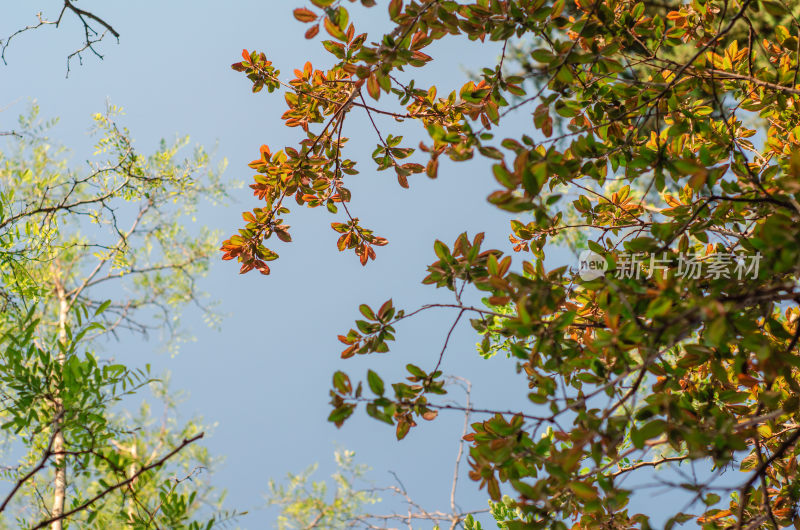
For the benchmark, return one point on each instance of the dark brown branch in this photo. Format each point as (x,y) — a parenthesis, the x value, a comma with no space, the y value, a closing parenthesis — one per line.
(447,340)
(745,488)
(81,13)
(48,452)
(86,18)
(765,490)
(154,465)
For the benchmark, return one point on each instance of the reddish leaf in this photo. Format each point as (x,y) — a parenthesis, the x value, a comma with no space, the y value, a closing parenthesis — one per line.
(373,88)
(312,32)
(395,7)
(304,15)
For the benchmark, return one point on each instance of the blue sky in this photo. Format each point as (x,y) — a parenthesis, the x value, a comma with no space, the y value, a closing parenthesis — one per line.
(263,378)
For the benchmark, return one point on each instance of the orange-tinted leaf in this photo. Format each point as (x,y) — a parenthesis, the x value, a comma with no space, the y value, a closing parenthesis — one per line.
(304,15)
(395,7)
(403,180)
(312,32)
(432,169)
(402,429)
(334,30)
(283,236)
(373,88)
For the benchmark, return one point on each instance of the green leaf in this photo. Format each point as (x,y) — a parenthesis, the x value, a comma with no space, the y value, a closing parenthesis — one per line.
(340,414)
(375,383)
(366,311)
(583,490)
(649,431)
(441,250)
(596,247)
(716,331)
(415,370)
(102,307)
(641,244)
(341,382)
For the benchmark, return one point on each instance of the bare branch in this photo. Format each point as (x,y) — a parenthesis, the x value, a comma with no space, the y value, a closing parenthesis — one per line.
(91,35)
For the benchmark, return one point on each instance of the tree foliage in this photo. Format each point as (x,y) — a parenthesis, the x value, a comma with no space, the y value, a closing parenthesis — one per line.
(659,130)
(309,504)
(86,255)
(306,504)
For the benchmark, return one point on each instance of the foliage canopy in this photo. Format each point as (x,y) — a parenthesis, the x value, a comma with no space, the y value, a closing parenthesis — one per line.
(86,255)
(662,129)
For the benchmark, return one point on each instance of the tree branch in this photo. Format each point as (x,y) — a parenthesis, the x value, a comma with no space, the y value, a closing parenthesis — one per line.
(156,464)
